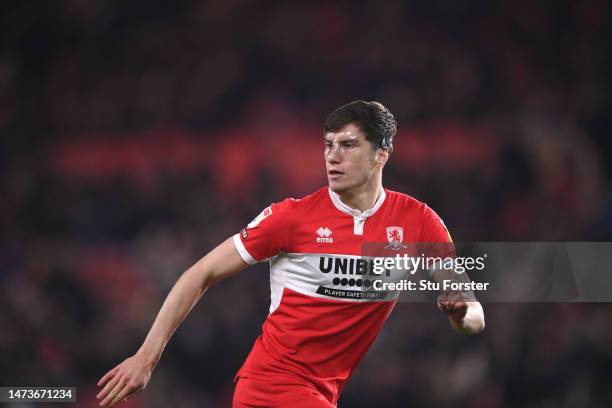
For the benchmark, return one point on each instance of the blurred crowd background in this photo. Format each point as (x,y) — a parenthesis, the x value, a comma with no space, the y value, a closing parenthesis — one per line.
(137,135)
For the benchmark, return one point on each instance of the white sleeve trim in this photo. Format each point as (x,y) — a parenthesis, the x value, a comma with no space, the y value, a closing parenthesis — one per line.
(244,254)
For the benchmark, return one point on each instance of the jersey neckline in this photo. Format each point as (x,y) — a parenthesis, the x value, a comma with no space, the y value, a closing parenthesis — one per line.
(340,205)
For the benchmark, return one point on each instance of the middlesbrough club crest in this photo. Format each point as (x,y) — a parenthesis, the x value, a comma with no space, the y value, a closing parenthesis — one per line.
(395,236)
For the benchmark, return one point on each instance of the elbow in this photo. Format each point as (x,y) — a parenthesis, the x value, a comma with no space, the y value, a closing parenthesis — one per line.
(197,278)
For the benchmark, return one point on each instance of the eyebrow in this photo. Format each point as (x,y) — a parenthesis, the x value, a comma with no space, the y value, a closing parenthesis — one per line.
(342,140)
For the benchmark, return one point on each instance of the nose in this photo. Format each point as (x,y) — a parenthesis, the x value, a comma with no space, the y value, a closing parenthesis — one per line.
(333,154)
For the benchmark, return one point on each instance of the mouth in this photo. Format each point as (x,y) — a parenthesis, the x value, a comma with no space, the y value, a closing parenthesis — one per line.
(334,174)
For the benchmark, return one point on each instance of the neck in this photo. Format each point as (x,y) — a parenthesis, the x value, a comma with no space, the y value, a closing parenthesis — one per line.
(362,198)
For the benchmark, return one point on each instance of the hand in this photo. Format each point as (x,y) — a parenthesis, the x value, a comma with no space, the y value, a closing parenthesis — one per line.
(453,304)
(128,378)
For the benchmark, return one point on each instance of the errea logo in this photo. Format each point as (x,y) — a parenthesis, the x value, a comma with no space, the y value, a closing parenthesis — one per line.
(324,235)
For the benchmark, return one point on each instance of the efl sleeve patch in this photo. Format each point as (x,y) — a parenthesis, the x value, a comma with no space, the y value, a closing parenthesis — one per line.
(262,216)
(268,234)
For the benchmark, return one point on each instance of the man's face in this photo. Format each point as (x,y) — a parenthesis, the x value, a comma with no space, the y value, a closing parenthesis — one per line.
(349,159)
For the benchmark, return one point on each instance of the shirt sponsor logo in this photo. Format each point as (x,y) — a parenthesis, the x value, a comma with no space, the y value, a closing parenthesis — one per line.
(349,266)
(324,235)
(356,273)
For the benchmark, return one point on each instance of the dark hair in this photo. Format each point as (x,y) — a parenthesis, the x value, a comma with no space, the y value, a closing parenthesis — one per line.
(372,118)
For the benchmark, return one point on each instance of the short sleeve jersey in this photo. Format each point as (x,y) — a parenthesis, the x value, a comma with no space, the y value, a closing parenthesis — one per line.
(323,317)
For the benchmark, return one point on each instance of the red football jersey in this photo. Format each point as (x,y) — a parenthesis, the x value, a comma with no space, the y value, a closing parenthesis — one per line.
(323,313)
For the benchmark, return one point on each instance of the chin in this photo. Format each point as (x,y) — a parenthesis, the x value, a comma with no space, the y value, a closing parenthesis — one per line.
(337,187)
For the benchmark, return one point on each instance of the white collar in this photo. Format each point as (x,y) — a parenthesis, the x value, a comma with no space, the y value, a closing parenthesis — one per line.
(339,204)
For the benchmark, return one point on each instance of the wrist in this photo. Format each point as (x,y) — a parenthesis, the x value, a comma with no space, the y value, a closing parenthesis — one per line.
(150,358)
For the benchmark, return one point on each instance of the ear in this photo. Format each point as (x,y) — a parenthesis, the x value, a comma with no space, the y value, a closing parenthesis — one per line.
(382,155)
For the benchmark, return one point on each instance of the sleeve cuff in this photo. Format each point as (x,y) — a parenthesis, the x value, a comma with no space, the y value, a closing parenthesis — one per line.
(244,254)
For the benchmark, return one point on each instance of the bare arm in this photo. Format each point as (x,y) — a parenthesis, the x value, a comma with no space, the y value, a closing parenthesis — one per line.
(464,312)
(133,374)
(466,317)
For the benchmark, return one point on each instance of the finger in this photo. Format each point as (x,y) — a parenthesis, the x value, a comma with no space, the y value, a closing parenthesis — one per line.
(108,387)
(447,296)
(119,395)
(111,395)
(445,302)
(460,304)
(456,297)
(107,376)
(462,296)
(459,311)
(123,394)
